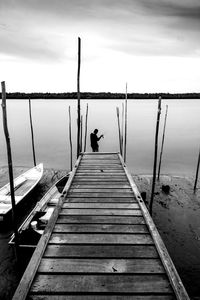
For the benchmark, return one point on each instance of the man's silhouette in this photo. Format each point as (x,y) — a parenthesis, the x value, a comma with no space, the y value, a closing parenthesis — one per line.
(94,140)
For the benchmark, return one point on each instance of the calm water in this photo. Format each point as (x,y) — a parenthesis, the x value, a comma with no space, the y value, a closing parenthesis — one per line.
(50,120)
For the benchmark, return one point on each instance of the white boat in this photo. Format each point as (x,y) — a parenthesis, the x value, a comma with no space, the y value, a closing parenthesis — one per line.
(32,228)
(23,184)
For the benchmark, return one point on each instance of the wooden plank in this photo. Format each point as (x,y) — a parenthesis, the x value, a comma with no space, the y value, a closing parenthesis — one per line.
(100,228)
(100,186)
(101,284)
(101,195)
(106,265)
(100,212)
(100,219)
(100,190)
(109,251)
(27,278)
(90,238)
(101,205)
(174,278)
(94,181)
(100,167)
(97,199)
(101,297)
(97,171)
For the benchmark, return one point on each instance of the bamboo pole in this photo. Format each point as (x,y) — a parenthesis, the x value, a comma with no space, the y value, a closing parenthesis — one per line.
(197,172)
(119,130)
(122,128)
(162,145)
(78,97)
(155,156)
(10,168)
(32,134)
(70,137)
(86,120)
(125,125)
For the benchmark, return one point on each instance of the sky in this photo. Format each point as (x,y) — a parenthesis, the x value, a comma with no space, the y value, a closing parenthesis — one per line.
(153,45)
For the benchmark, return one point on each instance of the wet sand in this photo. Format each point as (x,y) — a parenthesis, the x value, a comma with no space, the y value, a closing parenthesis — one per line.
(176,215)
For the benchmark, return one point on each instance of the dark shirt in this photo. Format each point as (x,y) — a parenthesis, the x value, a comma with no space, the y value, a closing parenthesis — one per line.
(94,139)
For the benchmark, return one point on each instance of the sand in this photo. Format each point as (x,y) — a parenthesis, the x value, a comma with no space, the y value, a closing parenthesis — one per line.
(176,215)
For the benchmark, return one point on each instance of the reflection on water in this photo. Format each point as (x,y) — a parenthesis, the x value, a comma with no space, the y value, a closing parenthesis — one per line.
(50,121)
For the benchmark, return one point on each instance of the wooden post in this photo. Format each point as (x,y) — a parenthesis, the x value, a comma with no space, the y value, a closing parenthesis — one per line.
(125,125)
(119,130)
(162,145)
(78,97)
(197,172)
(10,167)
(81,133)
(122,128)
(70,138)
(32,135)
(86,119)
(155,156)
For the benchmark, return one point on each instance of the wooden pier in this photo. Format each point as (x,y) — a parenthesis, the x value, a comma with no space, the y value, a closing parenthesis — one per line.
(101,242)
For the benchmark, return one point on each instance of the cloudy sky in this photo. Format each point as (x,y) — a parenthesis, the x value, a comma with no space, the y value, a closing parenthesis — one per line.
(154,45)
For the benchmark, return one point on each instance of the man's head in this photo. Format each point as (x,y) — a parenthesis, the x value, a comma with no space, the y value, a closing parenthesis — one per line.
(96,131)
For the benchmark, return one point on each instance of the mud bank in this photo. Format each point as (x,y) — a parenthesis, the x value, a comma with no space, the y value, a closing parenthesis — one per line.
(177,217)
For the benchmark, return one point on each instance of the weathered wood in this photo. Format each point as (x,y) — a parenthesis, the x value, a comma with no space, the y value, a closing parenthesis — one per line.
(100,212)
(70,137)
(101,297)
(78,97)
(101,205)
(32,134)
(86,119)
(93,238)
(102,200)
(101,195)
(101,190)
(101,251)
(100,219)
(106,265)
(32,267)
(100,228)
(10,166)
(174,278)
(100,185)
(101,284)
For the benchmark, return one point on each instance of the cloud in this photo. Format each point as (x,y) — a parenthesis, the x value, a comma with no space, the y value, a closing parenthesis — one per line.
(48,29)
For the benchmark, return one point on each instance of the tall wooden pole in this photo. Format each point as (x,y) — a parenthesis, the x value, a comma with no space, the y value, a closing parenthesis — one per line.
(86,120)
(70,137)
(122,128)
(32,135)
(197,172)
(81,133)
(162,145)
(10,167)
(125,125)
(155,156)
(78,97)
(119,130)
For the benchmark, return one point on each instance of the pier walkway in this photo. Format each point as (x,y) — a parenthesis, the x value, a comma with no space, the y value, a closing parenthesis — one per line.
(101,242)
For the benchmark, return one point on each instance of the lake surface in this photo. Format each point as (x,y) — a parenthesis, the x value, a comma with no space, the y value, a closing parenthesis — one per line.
(50,121)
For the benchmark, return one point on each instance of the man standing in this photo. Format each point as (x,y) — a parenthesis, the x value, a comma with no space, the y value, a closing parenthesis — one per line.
(94,140)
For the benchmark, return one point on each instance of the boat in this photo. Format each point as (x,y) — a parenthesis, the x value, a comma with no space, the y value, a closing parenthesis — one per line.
(23,185)
(33,226)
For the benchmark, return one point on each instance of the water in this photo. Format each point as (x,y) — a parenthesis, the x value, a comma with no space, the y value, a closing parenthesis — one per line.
(50,121)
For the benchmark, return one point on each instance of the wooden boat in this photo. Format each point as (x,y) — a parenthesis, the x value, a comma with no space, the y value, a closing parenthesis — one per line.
(33,226)
(23,184)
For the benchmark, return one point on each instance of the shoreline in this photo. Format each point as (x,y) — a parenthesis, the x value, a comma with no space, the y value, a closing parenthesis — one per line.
(176,216)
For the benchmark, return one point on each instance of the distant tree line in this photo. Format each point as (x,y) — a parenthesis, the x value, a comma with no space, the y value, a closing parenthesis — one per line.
(101,95)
